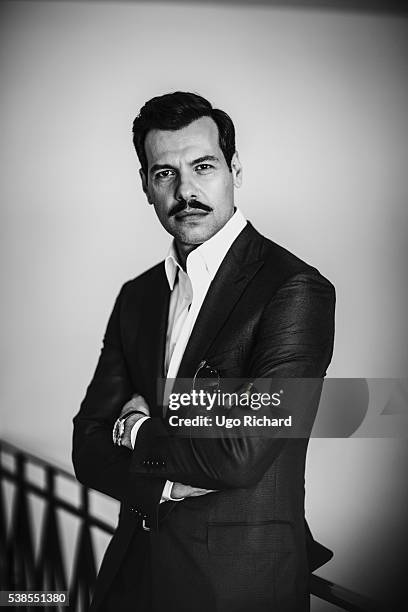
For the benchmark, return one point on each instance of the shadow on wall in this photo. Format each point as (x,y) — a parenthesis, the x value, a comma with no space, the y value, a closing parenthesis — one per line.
(363,408)
(342,409)
(366,6)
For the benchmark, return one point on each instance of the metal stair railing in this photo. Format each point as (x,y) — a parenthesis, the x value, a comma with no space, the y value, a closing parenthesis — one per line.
(21,570)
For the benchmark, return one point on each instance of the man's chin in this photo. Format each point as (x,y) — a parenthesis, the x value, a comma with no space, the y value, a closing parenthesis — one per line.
(192,234)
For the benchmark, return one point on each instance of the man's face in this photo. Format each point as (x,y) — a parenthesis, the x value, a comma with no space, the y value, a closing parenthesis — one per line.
(189,182)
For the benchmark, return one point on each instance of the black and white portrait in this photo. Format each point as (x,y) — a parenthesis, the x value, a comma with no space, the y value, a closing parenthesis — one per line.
(189,191)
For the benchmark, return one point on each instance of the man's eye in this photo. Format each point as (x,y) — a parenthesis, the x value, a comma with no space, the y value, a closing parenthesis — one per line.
(204,167)
(164,174)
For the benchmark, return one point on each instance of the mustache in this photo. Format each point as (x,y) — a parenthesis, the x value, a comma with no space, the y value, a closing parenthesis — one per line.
(183,204)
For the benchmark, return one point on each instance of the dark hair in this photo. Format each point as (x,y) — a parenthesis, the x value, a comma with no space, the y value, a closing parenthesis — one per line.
(177,110)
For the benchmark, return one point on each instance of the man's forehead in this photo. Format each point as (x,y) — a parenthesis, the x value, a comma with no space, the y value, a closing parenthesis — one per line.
(199,137)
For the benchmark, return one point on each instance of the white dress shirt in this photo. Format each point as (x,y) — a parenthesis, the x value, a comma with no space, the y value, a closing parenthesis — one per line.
(188,291)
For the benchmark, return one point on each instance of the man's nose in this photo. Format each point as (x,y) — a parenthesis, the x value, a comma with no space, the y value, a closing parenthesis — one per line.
(186,188)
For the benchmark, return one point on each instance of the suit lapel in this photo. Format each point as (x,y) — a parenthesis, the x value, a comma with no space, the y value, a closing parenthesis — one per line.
(239,266)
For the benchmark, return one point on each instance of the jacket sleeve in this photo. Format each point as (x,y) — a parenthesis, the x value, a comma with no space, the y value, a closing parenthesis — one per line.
(294,338)
(98,463)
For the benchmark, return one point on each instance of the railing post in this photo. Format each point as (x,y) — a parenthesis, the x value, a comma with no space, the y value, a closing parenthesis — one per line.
(20,547)
(85,566)
(4,561)
(50,571)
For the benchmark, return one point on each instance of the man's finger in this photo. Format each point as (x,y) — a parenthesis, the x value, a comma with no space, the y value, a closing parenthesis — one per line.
(137,402)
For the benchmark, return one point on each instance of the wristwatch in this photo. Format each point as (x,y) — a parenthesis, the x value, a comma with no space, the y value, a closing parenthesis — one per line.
(119,426)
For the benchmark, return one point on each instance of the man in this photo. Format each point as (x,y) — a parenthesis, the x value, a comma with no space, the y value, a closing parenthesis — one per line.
(205,524)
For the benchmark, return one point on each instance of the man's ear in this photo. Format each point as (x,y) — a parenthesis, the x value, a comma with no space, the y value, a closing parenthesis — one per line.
(144,185)
(236,170)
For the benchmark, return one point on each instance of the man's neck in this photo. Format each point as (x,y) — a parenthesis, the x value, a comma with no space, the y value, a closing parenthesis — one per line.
(183,251)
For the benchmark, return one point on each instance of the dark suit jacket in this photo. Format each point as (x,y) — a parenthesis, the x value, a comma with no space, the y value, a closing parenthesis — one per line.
(266,314)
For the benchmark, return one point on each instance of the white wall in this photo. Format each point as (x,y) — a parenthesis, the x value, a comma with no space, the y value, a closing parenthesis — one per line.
(319,99)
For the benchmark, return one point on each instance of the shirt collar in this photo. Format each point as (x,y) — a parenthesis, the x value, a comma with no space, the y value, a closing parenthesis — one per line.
(212,251)
(171,265)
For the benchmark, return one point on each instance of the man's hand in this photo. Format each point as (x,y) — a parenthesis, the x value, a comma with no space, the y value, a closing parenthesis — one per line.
(136,403)
(180,490)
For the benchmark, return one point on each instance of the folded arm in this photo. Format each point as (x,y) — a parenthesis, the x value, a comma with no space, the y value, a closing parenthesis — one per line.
(98,463)
(294,339)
